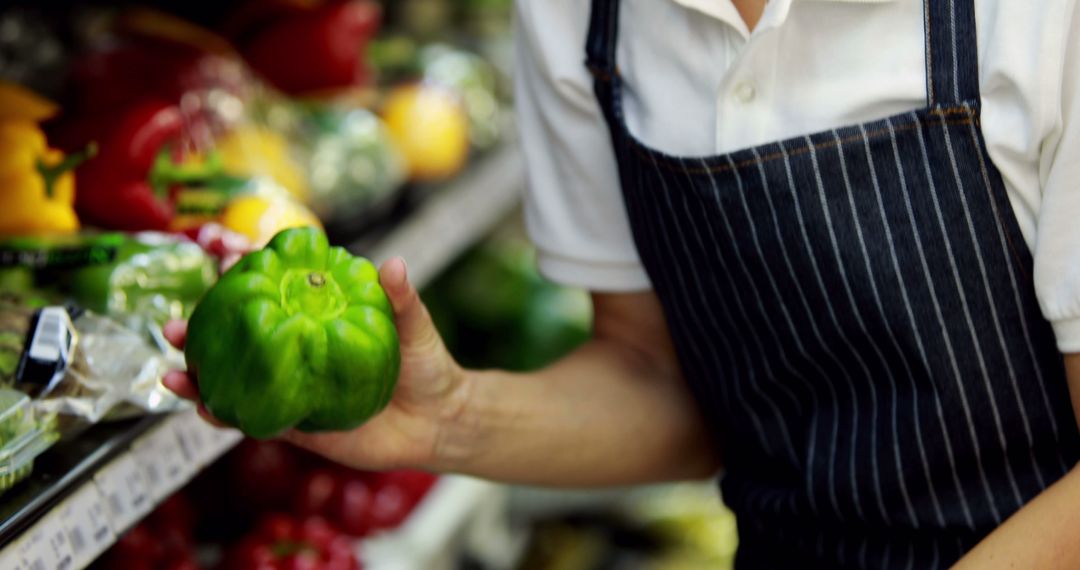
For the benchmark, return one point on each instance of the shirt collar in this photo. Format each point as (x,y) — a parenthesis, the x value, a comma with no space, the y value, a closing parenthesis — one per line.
(775,11)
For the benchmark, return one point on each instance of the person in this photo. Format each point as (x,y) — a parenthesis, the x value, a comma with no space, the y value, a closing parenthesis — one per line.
(833,250)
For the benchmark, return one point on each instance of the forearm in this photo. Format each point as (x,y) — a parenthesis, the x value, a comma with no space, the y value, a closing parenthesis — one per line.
(1043,534)
(601,416)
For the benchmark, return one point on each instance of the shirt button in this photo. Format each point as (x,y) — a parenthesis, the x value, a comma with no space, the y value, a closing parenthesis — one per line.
(745,91)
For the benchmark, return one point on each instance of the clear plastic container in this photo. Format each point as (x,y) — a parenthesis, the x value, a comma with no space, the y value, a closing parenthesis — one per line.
(23,436)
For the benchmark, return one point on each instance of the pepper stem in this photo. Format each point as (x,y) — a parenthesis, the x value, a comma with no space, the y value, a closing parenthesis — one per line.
(312,292)
(51,173)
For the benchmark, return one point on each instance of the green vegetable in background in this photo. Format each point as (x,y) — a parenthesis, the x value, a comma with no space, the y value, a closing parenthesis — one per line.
(150,275)
(147,275)
(296,334)
(520,321)
(473,79)
(353,162)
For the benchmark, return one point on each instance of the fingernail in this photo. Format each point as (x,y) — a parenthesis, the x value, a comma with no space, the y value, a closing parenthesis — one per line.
(404,272)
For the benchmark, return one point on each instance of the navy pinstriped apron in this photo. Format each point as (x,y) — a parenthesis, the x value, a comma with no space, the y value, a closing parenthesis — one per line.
(854,311)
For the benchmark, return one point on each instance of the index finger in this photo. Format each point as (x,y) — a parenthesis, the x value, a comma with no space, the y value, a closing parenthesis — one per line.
(176,333)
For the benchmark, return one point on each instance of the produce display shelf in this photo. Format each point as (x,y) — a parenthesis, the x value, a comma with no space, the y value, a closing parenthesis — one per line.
(85,492)
(82,497)
(68,465)
(455,217)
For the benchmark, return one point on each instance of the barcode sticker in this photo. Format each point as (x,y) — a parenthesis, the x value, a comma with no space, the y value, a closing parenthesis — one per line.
(162,461)
(125,491)
(47,344)
(86,521)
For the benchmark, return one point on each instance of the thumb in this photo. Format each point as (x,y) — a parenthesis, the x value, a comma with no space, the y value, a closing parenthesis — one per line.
(414,325)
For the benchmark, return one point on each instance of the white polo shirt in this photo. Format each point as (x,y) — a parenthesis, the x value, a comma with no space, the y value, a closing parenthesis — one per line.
(697,82)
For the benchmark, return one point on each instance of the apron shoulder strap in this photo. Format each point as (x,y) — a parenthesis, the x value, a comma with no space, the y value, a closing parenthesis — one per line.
(600,58)
(601,41)
(952,54)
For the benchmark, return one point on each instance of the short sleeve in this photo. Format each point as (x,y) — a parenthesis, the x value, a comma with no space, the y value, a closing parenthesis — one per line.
(574,209)
(1057,244)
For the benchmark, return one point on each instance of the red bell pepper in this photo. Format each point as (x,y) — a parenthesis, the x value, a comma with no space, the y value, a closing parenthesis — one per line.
(118,76)
(316,49)
(114,188)
(141,158)
(152,55)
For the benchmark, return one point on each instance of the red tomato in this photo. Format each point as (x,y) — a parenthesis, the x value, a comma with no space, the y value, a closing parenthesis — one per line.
(185,563)
(318,533)
(138,544)
(264,473)
(318,492)
(123,562)
(281,542)
(352,511)
(279,528)
(305,560)
(340,555)
(416,483)
(174,541)
(389,507)
(176,512)
(250,554)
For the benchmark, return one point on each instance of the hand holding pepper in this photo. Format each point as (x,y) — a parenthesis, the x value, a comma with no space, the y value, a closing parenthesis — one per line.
(430,386)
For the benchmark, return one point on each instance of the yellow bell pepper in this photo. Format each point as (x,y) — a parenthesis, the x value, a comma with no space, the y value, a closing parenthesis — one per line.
(37,187)
(18,102)
(257,151)
(261,217)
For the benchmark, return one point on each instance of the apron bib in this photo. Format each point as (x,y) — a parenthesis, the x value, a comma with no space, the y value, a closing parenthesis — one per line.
(855,314)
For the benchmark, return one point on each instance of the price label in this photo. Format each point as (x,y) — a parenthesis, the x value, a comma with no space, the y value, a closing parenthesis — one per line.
(147,461)
(186,459)
(11,556)
(124,489)
(162,461)
(194,435)
(61,555)
(86,521)
(28,556)
(44,546)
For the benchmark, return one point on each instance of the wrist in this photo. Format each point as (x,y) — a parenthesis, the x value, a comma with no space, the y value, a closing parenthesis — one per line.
(457,430)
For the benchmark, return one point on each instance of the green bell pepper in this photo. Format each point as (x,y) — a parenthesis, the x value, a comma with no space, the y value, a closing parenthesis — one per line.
(298,334)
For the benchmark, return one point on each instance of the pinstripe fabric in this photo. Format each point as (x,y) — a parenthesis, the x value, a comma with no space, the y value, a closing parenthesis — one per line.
(855,314)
